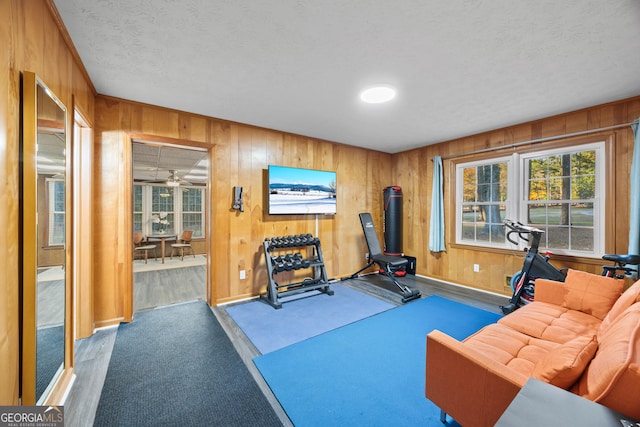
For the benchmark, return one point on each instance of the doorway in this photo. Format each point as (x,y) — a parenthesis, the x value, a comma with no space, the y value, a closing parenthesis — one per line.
(170,211)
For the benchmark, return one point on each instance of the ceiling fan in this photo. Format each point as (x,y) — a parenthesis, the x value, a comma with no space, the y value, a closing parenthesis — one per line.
(175,181)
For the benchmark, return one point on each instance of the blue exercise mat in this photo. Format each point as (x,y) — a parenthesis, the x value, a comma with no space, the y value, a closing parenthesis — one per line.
(368,373)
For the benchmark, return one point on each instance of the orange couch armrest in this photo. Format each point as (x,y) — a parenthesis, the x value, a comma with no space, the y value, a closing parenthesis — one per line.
(472,388)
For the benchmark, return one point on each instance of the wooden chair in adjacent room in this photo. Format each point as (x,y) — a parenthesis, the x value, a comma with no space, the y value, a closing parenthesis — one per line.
(183,243)
(141,247)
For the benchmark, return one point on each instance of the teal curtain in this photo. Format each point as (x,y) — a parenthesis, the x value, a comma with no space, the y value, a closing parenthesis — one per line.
(436,227)
(634,196)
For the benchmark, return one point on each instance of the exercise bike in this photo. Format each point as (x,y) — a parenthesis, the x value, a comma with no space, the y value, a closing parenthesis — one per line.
(621,263)
(535,266)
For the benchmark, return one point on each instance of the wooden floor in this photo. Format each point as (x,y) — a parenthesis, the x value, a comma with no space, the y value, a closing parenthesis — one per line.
(158,288)
(93,354)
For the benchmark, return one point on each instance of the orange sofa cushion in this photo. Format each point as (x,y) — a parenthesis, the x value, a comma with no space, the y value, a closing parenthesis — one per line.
(511,348)
(563,365)
(613,376)
(590,293)
(628,298)
(551,322)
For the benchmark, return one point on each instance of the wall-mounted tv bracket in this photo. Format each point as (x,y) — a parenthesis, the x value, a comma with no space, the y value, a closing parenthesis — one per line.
(282,255)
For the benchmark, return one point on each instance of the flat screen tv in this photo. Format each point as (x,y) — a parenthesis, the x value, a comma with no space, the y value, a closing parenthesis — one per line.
(295,191)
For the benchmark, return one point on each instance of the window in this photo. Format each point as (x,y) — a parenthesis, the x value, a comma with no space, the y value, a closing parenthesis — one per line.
(192,212)
(56,212)
(561,197)
(558,191)
(137,208)
(158,208)
(483,205)
(162,208)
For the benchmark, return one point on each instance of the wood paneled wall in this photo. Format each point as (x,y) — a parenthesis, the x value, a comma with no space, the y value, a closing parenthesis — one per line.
(413,171)
(30,40)
(240,156)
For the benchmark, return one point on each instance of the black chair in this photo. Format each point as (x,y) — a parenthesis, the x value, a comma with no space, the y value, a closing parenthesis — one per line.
(387,263)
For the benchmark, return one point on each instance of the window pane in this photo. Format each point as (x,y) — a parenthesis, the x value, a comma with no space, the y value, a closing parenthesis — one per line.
(193,221)
(484,191)
(470,213)
(137,198)
(537,168)
(583,163)
(555,166)
(538,189)
(137,222)
(56,214)
(468,231)
(58,196)
(57,229)
(469,176)
(582,239)
(558,214)
(559,188)
(583,187)
(469,193)
(571,177)
(162,207)
(537,214)
(192,200)
(557,237)
(193,210)
(582,214)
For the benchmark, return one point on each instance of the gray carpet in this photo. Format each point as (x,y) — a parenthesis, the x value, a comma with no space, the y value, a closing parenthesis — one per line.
(176,366)
(50,355)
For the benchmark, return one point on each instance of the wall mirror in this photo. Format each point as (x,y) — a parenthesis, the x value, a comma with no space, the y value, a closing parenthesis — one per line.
(44,236)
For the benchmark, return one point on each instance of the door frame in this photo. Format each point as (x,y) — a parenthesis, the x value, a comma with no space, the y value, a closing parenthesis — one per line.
(174,143)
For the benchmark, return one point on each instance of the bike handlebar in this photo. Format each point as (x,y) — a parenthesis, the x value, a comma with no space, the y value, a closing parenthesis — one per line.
(521,230)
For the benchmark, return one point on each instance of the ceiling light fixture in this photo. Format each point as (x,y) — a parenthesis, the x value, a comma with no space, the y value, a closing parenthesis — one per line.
(378,94)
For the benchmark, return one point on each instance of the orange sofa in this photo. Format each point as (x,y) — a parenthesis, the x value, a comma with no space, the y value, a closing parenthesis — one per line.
(581,335)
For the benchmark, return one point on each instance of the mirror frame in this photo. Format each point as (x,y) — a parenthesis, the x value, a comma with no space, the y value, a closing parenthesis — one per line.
(29,250)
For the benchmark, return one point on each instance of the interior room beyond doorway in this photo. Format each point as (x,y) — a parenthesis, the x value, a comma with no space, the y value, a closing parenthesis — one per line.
(169,209)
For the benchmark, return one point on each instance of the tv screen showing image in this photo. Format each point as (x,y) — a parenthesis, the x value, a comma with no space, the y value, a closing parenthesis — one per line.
(294,191)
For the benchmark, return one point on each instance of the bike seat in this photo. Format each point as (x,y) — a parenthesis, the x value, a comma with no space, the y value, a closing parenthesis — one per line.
(622,259)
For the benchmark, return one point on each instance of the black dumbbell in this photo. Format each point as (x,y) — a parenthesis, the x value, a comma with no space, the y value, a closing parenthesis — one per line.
(297,261)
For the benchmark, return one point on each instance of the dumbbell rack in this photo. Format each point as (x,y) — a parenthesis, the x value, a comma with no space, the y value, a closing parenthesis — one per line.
(279,259)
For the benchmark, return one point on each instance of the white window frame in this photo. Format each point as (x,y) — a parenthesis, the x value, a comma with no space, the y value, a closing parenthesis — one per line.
(599,222)
(516,194)
(509,203)
(147,195)
(201,211)
(51,184)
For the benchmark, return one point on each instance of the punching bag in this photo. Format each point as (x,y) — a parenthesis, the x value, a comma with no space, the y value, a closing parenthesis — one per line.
(392,197)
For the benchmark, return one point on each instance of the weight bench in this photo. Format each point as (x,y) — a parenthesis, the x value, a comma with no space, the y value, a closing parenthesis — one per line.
(387,263)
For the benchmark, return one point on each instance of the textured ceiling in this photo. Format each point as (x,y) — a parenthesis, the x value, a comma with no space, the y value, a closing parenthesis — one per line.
(157,163)
(461,66)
